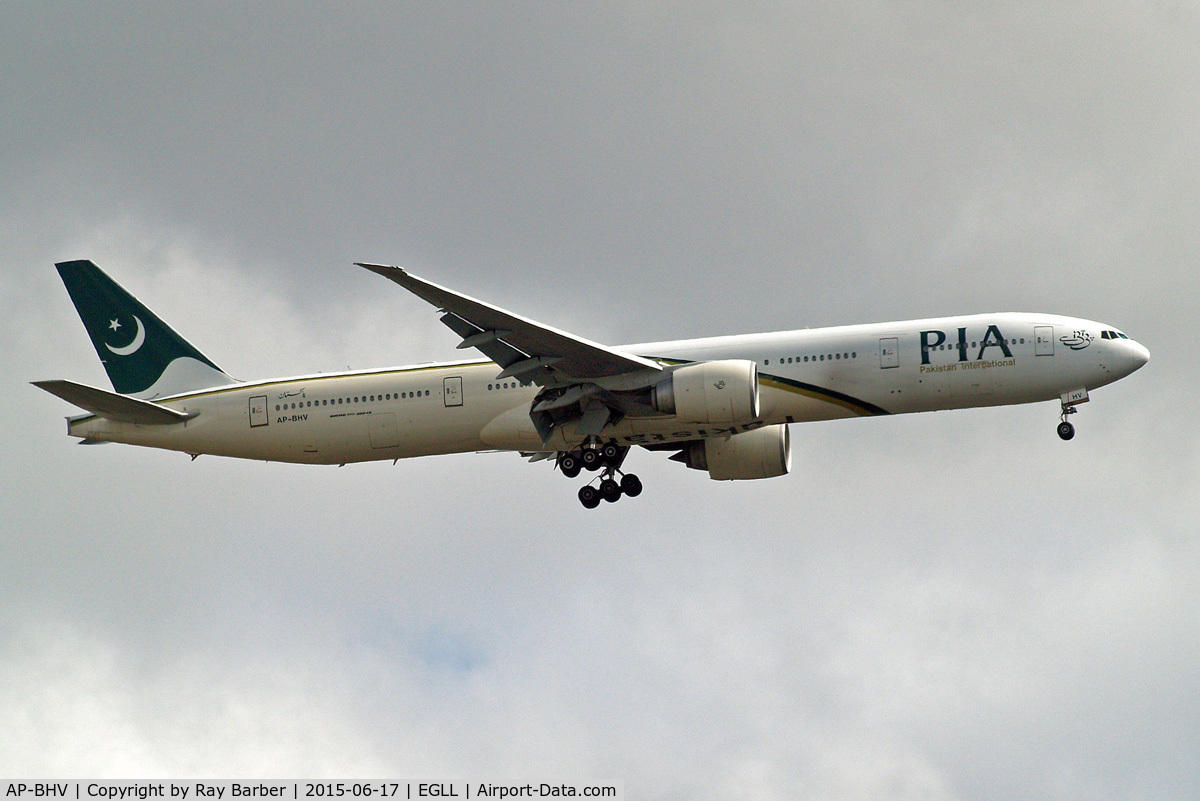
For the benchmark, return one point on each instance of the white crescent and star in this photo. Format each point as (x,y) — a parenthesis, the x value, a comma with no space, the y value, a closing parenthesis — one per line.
(133,346)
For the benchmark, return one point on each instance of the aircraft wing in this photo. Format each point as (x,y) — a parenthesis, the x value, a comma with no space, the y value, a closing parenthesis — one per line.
(526,350)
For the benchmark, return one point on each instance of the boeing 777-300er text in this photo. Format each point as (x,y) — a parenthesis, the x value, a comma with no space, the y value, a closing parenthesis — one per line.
(721,404)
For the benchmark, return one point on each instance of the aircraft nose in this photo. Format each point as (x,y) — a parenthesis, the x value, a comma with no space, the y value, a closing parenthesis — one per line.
(1138,354)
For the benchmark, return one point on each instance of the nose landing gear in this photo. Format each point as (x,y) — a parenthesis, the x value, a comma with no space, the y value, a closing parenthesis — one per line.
(1069,401)
(606,459)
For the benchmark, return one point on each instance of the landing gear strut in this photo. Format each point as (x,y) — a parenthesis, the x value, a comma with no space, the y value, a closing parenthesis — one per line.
(606,459)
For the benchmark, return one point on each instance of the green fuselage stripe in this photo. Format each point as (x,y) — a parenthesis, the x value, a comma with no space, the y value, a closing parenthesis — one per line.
(808,390)
(820,393)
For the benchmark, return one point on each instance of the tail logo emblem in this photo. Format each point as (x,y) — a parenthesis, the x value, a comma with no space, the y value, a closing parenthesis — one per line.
(133,346)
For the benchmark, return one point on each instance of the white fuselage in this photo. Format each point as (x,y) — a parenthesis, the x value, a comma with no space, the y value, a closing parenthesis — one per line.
(818,374)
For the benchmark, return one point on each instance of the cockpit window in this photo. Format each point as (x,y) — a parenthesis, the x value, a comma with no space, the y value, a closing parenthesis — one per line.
(1112,335)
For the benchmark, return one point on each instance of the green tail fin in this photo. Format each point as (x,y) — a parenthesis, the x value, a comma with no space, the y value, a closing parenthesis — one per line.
(142,355)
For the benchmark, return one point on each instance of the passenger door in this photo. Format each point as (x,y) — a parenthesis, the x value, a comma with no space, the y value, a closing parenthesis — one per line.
(1043,340)
(452,391)
(258,411)
(889,352)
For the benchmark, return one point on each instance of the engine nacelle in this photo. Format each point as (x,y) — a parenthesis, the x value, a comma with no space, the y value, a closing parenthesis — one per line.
(762,453)
(710,392)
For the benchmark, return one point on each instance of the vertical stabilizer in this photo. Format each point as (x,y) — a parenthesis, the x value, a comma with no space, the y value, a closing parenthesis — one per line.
(142,355)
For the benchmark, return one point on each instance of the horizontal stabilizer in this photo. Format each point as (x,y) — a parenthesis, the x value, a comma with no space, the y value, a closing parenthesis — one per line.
(112,406)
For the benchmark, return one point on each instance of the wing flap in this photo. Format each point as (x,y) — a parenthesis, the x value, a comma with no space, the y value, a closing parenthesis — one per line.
(111,406)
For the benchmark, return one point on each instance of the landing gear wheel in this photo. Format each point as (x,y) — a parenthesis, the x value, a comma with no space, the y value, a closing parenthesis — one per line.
(570,465)
(610,490)
(631,485)
(1066,430)
(591,458)
(589,496)
(610,452)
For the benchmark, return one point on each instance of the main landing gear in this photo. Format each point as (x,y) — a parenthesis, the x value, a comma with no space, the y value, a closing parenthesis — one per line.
(606,459)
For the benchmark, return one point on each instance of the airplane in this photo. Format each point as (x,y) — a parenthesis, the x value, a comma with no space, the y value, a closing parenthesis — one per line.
(721,404)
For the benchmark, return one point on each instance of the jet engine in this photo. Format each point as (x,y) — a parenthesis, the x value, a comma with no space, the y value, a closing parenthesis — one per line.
(762,453)
(710,392)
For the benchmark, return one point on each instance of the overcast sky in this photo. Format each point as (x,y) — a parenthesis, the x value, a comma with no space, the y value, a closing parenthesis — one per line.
(946,606)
